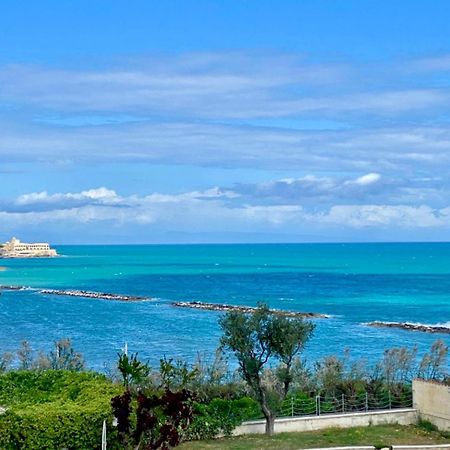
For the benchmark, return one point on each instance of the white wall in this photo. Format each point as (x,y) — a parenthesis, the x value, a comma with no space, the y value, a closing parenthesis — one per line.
(309,423)
(432,400)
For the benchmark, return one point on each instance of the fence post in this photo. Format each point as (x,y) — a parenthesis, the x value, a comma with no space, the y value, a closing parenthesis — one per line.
(367,402)
(343,403)
(318,405)
(292,406)
(390,401)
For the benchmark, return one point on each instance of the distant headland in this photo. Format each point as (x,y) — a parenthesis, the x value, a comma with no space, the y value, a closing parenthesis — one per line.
(17,249)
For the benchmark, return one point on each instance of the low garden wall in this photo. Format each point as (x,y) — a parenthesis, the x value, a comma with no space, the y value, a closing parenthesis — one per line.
(432,400)
(294,424)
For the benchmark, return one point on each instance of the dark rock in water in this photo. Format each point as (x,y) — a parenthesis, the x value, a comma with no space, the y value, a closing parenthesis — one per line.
(12,288)
(411,326)
(79,293)
(89,294)
(246,309)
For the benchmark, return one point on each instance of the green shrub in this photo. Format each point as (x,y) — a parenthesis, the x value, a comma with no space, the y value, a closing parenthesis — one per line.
(220,417)
(302,403)
(426,425)
(55,410)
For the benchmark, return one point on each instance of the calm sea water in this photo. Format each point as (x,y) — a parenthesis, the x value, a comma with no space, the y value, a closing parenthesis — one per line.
(355,283)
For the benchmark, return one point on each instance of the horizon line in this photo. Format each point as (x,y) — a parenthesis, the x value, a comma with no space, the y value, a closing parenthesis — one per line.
(253,243)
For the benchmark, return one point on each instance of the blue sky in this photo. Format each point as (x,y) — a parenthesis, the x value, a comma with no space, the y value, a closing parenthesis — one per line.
(222,121)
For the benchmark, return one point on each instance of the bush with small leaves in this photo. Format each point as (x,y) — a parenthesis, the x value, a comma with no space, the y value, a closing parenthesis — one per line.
(55,410)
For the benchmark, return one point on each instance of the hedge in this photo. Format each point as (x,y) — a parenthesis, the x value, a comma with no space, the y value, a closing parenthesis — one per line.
(55,410)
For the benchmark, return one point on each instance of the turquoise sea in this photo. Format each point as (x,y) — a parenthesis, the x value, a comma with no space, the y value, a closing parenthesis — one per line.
(355,283)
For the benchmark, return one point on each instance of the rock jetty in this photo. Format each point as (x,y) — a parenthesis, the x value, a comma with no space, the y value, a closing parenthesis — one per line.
(12,288)
(246,309)
(411,326)
(89,294)
(79,293)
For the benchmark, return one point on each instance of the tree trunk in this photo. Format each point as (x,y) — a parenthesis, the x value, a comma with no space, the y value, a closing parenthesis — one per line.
(270,425)
(270,419)
(286,385)
(262,400)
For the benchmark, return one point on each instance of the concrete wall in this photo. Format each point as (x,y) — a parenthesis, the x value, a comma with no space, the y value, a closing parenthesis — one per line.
(309,423)
(432,400)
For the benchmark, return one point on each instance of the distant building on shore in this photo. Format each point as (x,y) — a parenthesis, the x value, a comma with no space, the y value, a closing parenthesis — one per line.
(16,249)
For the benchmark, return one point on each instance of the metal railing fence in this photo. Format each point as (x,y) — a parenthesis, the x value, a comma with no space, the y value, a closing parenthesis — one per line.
(322,404)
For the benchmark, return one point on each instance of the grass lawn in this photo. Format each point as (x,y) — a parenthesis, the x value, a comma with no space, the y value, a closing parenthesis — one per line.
(373,435)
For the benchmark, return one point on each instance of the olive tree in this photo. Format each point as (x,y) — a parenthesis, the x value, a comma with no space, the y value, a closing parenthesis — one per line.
(261,337)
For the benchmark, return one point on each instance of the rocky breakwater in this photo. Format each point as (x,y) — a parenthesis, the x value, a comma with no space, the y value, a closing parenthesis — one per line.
(12,288)
(77,293)
(246,309)
(90,294)
(411,326)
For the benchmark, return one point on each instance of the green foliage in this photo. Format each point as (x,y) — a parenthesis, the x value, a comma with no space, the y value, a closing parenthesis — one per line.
(53,426)
(176,374)
(426,425)
(257,338)
(34,387)
(132,370)
(221,417)
(55,409)
(302,402)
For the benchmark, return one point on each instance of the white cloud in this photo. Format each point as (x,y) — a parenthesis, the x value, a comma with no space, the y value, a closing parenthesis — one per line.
(321,192)
(211,211)
(386,135)
(367,179)
(232,109)
(99,195)
(235,85)
(222,86)
(396,150)
(431,64)
(384,216)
